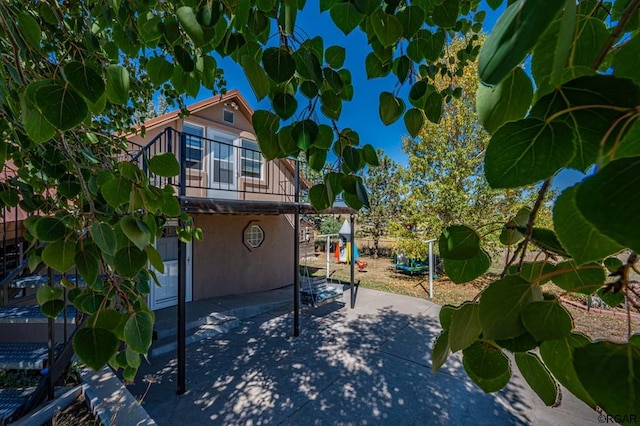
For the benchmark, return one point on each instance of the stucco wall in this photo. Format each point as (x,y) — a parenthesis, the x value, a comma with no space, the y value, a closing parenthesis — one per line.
(222,263)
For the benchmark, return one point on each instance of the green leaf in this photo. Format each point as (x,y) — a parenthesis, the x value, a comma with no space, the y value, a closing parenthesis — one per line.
(557,53)
(50,229)
(370,155)
(579,237)
(628,146)
(533,271)
(465,327)
(463,271)
(547,320)
(611,299)
(29,29)
(319,197)
(52,308)
(335,56)
(626,61)
(324,138)
(129,261)
(35,124)
(558,358)
(547,240)
(411,18)
(87,265)
(522,343)
(375,68)
(584,105)
(352,200)
(334,80)
(612,264)
(331,104)
(133,358)
(387,28)
(584,279)
(309,89)
(526,151)
(61,106)
(610,373)
(391,108)
(91,303)
(513,36)
(104,237)
(459,242)
(278,64)
(426,45)
(59,255)
(445,315)
(501,305)
(612,187)
(487,366)
(346,16)
(164,164)
(413,121)
(85,80)
(445,15)
(441,351)
(116,191)
(159,70)
(117,84)
(285,105)
(47,293)
(94,346)
(305,133)
(361,193)
(256,76)
(351,158)
(507,101)
(187,18)
(138,331)
(170,205)
(155,259)
(136,231)
(538,377)
(433,107)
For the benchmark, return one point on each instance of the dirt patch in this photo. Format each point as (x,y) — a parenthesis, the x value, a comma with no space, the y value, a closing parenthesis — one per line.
(77,414)
(381,275)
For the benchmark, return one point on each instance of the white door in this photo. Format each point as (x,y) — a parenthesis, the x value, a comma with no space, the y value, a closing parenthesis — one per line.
(166,295)
(222,165)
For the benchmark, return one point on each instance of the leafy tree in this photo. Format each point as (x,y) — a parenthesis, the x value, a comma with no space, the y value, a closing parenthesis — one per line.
(383,185)
(74,73)
(445,176)
(330,225)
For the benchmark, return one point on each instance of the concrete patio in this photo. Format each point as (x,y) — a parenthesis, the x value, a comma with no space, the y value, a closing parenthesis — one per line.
(368,365)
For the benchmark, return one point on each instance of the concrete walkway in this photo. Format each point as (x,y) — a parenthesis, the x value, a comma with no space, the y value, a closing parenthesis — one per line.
(368,365)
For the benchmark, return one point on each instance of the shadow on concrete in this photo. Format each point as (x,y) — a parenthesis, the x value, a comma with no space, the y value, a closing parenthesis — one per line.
(367,366)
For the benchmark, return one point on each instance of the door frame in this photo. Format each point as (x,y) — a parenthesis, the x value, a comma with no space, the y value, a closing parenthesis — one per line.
(153,305)
(230,191)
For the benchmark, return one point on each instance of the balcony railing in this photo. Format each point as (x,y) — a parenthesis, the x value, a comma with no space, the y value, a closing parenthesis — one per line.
(220,169)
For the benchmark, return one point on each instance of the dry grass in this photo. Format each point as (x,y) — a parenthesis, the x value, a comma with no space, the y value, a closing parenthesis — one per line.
(381,275)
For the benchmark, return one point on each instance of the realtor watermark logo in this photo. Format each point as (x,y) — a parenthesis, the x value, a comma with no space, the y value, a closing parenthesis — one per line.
(617,418)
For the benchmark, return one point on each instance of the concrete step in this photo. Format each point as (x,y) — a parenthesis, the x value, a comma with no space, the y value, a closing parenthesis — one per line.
(207,327)
(31,314)
(23,356)
(211,324)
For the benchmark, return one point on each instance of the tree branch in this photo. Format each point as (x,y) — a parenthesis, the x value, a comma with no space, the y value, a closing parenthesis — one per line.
(532,217)
(616,33)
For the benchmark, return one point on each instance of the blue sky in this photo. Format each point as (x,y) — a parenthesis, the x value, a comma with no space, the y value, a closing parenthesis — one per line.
(361,114)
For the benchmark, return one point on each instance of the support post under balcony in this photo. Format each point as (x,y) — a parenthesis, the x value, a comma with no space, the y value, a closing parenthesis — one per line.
(182,276)
(296,255)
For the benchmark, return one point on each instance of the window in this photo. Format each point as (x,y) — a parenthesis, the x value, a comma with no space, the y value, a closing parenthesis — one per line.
(223,162)
(228,116)
(251,160)
(253,236)
(193,155)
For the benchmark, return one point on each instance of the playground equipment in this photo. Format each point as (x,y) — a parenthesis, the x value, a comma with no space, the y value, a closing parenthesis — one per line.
(316,291)
(419,267)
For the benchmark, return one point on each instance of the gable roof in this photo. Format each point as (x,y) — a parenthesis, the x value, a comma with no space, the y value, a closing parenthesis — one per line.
(231,96)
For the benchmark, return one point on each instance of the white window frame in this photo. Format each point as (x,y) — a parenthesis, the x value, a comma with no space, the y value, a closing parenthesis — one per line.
(233,116)
(252,230)
(192,147)
(249,159)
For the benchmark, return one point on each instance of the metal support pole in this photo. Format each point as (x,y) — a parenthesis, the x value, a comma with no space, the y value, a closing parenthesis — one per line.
(353,261)
(182,279)
(51,345)
(296,257)
(328,248)
(431,268)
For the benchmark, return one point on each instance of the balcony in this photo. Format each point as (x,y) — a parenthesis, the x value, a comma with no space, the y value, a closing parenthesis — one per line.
(219,169)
